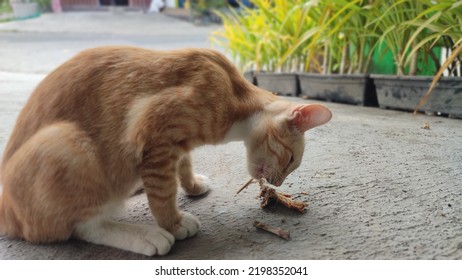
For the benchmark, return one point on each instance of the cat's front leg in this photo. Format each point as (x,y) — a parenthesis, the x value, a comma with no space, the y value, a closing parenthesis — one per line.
(192,184)
(159,176)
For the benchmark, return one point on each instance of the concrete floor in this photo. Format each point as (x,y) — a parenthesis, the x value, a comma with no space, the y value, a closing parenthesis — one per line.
(379,185)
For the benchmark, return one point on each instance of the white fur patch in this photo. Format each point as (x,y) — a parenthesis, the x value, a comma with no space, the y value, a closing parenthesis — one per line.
(203,182)
(239,131)
(189,226)
(139,107)
(136,112)
(142,239)
(138,238)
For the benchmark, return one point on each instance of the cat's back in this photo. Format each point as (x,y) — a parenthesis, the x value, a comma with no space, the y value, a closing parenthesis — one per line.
(90,89)
(102,77)
(108,79)
(96,88)
(88,81)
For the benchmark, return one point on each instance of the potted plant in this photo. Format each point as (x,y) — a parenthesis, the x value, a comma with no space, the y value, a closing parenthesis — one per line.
(328,42)
(239,36)
(282,41)
(279,54)
(24,9)
(257,39)
(201,10)
(445,24)
(447,98)
(346,49)
(5,11)
(412,31)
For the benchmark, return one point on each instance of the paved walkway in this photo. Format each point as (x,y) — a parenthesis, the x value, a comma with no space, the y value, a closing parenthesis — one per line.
(379,185)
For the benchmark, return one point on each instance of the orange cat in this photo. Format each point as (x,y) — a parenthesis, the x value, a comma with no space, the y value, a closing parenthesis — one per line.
(113,116)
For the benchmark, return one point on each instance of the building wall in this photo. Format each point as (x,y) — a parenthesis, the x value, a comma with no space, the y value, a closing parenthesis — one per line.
(95,4)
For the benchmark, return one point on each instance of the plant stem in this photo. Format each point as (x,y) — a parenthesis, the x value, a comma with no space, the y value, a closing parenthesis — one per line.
(343,59)
(413,65)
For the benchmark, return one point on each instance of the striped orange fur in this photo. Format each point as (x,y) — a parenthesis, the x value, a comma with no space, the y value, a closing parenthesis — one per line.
(113,116)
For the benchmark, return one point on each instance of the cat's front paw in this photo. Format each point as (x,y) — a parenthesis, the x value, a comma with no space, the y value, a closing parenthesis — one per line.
(142,239)
(156,241)
(201,186)
(188,226)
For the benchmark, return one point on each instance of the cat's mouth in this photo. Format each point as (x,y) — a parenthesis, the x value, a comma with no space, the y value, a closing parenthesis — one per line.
(274,181)
(260,173)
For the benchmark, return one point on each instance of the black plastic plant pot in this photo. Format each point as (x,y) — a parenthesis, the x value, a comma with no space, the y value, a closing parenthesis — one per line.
(285,84)
(405,93)
(354,89)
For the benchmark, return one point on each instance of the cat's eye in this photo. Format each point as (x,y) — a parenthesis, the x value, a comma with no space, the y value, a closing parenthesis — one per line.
(291,160)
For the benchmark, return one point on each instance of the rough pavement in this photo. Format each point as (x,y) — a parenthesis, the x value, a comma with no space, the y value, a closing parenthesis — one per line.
(379,185)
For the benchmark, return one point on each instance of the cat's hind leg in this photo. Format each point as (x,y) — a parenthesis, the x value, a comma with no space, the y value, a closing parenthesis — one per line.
(55,187)
(53,181)
(192,184)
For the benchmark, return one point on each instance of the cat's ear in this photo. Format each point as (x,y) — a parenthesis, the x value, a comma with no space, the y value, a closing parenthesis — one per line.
(305,117)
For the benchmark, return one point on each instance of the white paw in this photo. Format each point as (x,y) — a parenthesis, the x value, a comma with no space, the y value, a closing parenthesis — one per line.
(148,240)
(201,185)
(154,241)
(189,226)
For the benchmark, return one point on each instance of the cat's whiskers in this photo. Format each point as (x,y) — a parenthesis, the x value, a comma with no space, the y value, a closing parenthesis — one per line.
(274,176)
(267,172)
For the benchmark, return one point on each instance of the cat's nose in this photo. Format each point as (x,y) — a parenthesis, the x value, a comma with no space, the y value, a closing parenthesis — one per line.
(274,181)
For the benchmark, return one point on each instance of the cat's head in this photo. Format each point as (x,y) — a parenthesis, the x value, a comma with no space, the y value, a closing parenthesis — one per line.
(276,143)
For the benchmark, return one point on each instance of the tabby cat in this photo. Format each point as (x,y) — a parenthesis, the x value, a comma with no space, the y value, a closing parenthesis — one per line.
(112,117)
